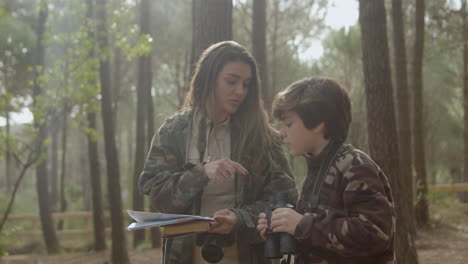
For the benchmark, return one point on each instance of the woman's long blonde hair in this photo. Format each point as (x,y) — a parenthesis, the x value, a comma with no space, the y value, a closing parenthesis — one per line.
(257,140)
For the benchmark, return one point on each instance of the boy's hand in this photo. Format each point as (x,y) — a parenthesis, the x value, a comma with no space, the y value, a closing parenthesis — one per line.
(226,220)
(262,225)
(285,220)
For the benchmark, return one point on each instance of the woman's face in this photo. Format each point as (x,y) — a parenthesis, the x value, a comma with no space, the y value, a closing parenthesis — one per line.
(232,86)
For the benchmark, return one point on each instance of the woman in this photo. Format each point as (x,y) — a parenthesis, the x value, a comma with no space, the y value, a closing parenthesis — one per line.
(218,157)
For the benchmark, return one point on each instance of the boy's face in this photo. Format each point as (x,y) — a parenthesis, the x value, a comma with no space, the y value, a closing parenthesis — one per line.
(300,139)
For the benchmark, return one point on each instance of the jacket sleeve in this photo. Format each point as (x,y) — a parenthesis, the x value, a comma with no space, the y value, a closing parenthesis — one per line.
(365,228)
(278,179)
(171,188)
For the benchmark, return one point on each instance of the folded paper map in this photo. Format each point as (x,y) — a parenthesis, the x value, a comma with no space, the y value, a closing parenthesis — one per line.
(149,219)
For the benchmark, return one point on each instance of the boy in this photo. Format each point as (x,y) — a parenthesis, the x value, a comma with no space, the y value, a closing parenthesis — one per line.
(345,211)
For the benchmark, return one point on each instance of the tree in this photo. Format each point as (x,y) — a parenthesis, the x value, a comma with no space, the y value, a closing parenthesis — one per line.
(464,197)
(288,37)
(63,172)
(32,156)
(421,209)
(211,23)
(259,48)
(404,134)
(143,86)
(380,107)
(16,55)
(40,117)
(94,166)
(119,248)
(54,131)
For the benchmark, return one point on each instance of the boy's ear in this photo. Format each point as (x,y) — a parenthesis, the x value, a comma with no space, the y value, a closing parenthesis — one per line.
(319,129)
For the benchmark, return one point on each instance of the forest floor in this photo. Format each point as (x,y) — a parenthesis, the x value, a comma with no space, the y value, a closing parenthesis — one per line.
(444,241)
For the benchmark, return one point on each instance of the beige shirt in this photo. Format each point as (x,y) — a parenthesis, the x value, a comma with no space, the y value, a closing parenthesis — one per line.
(216,195)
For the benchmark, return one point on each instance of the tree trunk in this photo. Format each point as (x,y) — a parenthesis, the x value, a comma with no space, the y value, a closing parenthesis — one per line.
(117,77)
(32,158)
(94,166)
(211,23)
(155,232)
(96,190)
(47,222)
(54,167)
(407,225)
(181,79)
(380,107)
(421,209)
(8,177)
(85,183)
(259,48)
(119,248)
(144,81)
(274,48)
(63,171)
(464,196)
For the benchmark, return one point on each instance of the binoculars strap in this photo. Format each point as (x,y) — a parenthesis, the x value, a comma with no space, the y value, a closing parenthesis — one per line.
(314,197)
(288,261)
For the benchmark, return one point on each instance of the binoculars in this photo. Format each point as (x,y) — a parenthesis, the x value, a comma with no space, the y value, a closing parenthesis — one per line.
(212,246)
(278,244)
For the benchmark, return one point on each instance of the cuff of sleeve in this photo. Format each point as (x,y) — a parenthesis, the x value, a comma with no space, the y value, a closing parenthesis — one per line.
(305,230)
(244,220)
(199,171)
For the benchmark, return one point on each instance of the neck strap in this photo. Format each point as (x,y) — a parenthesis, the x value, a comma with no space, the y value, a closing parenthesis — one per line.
(330,156)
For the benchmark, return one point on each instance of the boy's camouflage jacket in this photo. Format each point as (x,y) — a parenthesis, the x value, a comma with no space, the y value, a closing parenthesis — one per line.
(354,221)
(176,188)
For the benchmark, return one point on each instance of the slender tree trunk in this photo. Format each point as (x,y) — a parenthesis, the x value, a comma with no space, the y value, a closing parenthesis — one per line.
(181,79)
(85,184)
(94,166)
(380,107)
(47,222)
(421,209)
(155,232)
(274,48)
(407,227)
(144,81)
(54,167)
(63,171)
(117,77)
(96,190)
(464,196)
(211,23)
(259,48)
(32,158)
(8,176)
(119,248)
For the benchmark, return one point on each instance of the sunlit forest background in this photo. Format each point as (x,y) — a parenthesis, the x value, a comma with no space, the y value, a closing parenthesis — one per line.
(84,85)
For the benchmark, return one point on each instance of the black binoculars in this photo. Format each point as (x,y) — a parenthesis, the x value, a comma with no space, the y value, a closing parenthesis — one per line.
(278,244)
(212,246)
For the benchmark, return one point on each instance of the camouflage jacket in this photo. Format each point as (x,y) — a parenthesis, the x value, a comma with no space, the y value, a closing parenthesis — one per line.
(174,187)
(354,220)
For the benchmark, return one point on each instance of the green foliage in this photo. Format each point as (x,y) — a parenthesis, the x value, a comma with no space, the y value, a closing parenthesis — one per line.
(172,49)
(286,37)
(443,100)
(126,32)
(27,198)
(16,46)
